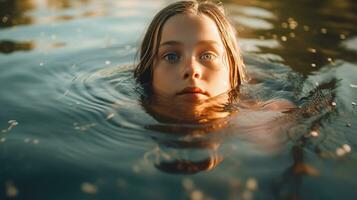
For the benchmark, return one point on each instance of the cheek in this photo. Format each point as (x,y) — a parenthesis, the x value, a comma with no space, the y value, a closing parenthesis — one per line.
(225,80)
(219,81)
(162,80)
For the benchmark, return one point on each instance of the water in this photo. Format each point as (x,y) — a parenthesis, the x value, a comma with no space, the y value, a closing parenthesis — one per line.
(71,125)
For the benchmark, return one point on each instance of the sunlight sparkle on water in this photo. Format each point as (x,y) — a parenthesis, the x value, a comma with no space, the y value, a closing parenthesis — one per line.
(252,184)
(341,151)
(314,133)
(89,188)
(312,50)
(12,124)
(11,190)
(5,19)
(196,195)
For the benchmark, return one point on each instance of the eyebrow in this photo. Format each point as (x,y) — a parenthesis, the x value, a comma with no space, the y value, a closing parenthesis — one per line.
(177,43)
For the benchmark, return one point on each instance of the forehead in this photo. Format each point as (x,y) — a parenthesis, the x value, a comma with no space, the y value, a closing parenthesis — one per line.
(190,28)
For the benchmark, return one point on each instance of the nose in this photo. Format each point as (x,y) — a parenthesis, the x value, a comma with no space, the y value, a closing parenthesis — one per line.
(192,69)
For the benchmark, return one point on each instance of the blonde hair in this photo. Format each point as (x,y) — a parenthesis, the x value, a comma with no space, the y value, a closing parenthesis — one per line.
(143,72)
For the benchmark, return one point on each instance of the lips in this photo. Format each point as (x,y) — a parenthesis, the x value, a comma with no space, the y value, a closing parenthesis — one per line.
(192,91)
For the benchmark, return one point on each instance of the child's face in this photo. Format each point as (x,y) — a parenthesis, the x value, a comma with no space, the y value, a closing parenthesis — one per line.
(191,63)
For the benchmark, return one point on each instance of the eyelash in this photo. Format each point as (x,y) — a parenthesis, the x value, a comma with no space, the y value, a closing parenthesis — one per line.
(212,56)
(170,54)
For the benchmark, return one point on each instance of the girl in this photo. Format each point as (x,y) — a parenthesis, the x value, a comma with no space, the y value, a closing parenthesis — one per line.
(191,67)
(189,60)
(190,53)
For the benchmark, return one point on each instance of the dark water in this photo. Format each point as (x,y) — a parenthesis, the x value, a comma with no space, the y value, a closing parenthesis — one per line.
(72,126)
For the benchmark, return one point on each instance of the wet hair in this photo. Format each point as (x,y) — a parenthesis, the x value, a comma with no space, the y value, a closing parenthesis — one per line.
(143,72)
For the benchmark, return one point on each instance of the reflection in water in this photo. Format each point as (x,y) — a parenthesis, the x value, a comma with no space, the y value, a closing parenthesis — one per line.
(11,46)
(192,133)
(12,12)
(310,35)
(17,12)
(187,145)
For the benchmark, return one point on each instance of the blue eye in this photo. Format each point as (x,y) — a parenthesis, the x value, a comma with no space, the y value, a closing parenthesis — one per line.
(172,57)
(208,56)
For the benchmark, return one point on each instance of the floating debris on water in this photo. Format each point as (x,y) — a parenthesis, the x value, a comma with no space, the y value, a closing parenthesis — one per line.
(41,63)
(341,151)
(314,133)
(5,19)
(196,195)
(329,59)
(312,50)
(251,184)
(2,140)
(292,23)
(284,38)
(10,189)
(292,35)
(111,115)
(107,62)
(348,124)
(333,103)
(342,36)
(353,86)
(12,124)
(313,65)
(354,103)
(83,127)
(323,30)
(347,148)
(89,188)
(33,141)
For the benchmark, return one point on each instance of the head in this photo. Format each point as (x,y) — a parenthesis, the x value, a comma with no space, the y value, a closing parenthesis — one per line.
(190,53)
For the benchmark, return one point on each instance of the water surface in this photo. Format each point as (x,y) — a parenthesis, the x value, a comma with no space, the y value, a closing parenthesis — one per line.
(72,125)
